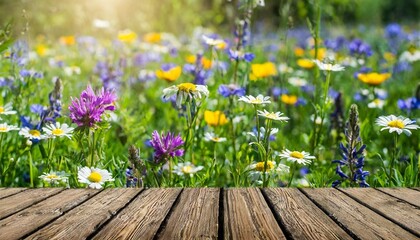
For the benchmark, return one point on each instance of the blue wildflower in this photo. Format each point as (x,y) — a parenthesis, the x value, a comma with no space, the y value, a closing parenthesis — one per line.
(231,90)
(352,155)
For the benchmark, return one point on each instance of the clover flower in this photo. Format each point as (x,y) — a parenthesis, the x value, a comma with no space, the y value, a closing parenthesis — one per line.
(87,111)
(166,146)
(352,155)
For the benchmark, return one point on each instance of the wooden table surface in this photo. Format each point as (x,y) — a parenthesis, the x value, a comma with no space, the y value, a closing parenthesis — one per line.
(210,213)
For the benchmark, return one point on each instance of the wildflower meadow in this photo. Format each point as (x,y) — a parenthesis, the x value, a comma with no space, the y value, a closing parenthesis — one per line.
(309,105)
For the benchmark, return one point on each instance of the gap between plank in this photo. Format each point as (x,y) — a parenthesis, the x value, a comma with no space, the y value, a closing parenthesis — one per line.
(221,219)
(279,221)
(97,230)
(168,215)
(380,213)
(13,193)
(330,215)
(399,199)
(55,218)
(40,200)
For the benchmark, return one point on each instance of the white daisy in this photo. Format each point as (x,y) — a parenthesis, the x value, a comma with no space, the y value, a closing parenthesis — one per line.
(259,166)
(328,66)
(212,137)
(184,91)
(260,99)
(58,130)
(212,41)
(186,168)
(272,115)
(296,156)
(94,177)
(7,109)
(398,124)
(4,127)
(297,81)
(31,133)
(377,103)
(54,177)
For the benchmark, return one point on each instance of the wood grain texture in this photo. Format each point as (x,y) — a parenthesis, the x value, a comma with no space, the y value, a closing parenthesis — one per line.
(5,192)
(360,220)
(301,217)
(409,195)
(142,218)
(400,212)
(247,216)
(83,220)
(22,200)
(41,213)
(195,216)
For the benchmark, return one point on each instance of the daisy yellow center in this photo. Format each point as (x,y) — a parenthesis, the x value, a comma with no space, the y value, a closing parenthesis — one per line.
(260,166)
(95,177)
(1,109)
(187,87)
(35,133)
(397,123)
(186,169)
(57,132)
(271,115)
(52,176)
(256,101)
(3,129)
(216,139)
(296,154)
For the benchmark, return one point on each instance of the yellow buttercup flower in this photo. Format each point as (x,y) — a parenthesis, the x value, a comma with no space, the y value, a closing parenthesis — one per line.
(152,37)
(67,40)
(373,78)
(305,63)
(191,59)
(169,75)
(289,99)
(214,119)
(41,49)
(127,36)
(389,57)
(262,70)
(299,52)
(321,53)
(207,63)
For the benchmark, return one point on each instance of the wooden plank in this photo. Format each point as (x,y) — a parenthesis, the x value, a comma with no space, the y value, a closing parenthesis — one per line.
(416,188)
(402,213)
(406,194)
(22,200)
(195,217)
(83,220)
(247,216)
(358,219)
(301,217)
(142,218)
(34,217)
(5,192)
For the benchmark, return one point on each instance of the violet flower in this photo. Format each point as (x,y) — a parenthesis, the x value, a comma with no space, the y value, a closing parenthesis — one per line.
(166,146)
(88,110)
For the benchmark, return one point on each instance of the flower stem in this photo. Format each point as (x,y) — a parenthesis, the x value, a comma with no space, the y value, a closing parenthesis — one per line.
(292,173)
(31,172)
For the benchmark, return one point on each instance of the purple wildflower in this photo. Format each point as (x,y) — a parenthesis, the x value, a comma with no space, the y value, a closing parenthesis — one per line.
(166,146)
(87,110)
(231,90)
(358,47)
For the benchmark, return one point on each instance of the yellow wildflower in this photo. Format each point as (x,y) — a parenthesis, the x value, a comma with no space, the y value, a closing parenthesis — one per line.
(127,36)
(214,119)
(289,99)
(152,37)
(305,63)
(373,78)
(67,40)
(262,70)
